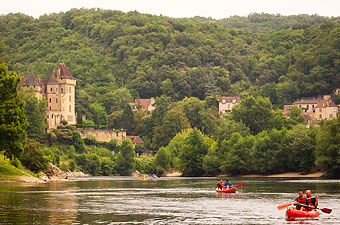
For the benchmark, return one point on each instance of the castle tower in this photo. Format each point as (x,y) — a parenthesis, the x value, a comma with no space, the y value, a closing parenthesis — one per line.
(32,81)
(54,113)
(67,85)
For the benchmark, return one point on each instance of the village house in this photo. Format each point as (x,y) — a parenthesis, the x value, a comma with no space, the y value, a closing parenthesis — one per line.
(59,91)
(145,104)
(315,109)
(227,103)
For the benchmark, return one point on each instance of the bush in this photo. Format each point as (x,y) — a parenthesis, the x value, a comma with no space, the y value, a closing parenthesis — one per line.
(90,140)
(33,157)
(16,162)
(145,165)
(64,167)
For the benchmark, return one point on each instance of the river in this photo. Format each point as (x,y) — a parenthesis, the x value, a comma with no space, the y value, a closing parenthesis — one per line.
(127,200)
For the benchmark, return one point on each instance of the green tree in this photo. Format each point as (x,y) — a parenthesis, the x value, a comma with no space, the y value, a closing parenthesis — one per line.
(192,153)
(255,113)
(173,122)
(35,114)
(33,157)
(162,160)
(12,114)
(99,113)
(328,147)
(295,115)
(125,163)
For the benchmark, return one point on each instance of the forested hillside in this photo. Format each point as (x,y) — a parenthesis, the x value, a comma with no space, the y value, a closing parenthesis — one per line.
(269,60)
(280,57)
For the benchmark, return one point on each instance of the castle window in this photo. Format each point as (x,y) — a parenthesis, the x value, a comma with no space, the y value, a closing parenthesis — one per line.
(51,89)
(52,116)
(56,89)
(50,107)
(69,108)
(48,116)
(56,100)
(69,98)
(69,118)
(50,100)
(69,89)
(62,90)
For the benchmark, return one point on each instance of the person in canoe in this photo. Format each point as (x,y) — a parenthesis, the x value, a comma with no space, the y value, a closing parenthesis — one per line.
(300,200)
(311,201)
(220,185)
(227,184)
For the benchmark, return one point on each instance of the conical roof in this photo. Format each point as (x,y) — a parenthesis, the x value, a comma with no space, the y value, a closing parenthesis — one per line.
(31,80)
(52,80)
(63,72)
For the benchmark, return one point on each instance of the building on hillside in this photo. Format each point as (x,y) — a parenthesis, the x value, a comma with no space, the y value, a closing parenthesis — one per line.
(315,109)
(326,109)
(59,91)
(136,140)
(227,103)
(146,104)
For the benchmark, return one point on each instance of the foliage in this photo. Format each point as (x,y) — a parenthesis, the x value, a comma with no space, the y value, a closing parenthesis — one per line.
(145,165)
(328,147)
(125,163)
(192,153)
(162,160)
(33,157)
(35,114)
(12,114)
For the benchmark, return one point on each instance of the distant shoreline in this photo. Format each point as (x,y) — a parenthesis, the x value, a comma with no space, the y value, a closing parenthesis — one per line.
(288,175)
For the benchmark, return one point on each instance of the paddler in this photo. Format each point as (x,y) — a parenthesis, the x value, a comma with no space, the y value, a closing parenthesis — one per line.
(311,201)
(220,185)
(227,184)
(300,200)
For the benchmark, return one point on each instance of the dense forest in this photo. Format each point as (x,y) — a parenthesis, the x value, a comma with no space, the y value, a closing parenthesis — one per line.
(185,63)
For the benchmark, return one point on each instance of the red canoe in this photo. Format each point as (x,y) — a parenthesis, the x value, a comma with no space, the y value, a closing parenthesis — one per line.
(292,214)
(230,190)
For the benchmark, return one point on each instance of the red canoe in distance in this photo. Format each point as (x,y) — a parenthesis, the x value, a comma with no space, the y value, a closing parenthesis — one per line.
(230,190)
(293,214)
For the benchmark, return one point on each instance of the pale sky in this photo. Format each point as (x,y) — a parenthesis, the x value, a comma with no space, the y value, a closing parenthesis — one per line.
(216,9)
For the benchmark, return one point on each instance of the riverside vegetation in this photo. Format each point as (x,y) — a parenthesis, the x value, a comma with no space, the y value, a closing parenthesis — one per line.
(268,60)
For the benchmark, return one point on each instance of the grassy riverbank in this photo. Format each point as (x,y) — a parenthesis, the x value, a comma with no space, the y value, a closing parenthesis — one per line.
(10,173)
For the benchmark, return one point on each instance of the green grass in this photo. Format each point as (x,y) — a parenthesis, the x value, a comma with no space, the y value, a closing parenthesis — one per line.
(7,170)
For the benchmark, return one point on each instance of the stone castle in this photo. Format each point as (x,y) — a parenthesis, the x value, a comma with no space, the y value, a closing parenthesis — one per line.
(59,91)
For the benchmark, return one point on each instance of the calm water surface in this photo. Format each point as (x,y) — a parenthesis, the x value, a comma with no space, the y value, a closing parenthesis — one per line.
(125,200)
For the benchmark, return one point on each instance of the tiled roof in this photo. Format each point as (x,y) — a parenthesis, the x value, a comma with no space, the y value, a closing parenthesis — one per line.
(52,80)
(324,104)
(31,80)
(230,99)
(145,103)
(63,72)
(136,139)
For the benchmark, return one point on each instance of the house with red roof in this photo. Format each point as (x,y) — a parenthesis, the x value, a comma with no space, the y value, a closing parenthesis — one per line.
(226,104)
(145,104)
(326,109)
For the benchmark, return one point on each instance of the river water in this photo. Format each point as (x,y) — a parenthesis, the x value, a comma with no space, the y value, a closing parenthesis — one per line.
(127,200)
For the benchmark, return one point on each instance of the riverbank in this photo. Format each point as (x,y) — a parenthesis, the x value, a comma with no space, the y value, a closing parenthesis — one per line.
(289,175)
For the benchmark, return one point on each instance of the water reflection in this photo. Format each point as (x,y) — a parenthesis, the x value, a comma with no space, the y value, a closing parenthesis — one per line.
(109,200)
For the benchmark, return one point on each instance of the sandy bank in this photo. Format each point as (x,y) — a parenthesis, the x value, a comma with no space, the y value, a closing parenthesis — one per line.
(289,175)
(174,174)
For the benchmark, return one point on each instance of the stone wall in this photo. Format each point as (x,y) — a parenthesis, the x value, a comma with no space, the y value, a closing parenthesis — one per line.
(103,135)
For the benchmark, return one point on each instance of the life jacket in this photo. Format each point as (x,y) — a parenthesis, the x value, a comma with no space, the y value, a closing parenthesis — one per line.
(310,203)
(301,201)
(220,185)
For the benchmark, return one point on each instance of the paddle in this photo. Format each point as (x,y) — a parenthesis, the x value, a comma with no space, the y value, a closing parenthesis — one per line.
(239,185)
(325,210)
(280,207)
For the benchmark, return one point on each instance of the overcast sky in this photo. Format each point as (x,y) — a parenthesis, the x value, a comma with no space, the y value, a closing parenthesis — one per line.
(217,9)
